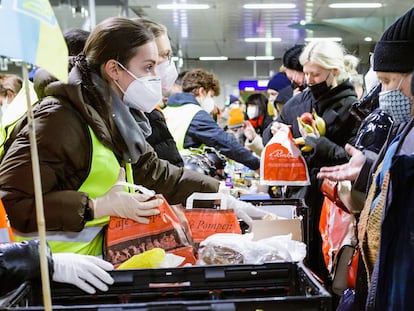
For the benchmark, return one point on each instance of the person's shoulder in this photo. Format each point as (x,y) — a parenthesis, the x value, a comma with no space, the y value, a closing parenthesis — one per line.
(57,115)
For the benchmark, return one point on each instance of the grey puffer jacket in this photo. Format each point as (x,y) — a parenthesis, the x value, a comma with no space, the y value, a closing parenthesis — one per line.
(65,152)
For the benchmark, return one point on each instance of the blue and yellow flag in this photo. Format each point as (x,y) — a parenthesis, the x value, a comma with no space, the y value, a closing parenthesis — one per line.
(30,32)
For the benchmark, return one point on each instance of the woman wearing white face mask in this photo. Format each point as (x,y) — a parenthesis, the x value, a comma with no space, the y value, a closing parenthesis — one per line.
(189,120)
(258,119)
(87,131)
(161,139)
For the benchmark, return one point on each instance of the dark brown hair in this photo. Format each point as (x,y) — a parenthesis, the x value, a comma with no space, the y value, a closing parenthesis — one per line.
(196,78)
(115,38)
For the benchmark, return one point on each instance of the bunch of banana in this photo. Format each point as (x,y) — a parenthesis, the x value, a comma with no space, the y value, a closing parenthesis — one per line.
(319,123)
(304,121)
(300,141)
(313,124)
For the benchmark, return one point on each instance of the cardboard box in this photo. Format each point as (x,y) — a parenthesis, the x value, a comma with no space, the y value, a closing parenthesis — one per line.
(268,228)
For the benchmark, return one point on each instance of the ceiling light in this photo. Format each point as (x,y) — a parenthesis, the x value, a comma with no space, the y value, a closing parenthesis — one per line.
(269,6)
(182,6)
(260,57)
(262,39)
(368,39)
(344,5)
(337,39)
(213,58)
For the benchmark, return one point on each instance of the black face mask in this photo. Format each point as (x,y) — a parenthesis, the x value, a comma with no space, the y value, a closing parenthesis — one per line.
(319,89)
(295,86)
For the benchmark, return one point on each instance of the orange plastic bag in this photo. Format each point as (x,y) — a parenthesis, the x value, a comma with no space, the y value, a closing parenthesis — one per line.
(126,237)
(6,234)
(281,161)
(337,228)
(204,222)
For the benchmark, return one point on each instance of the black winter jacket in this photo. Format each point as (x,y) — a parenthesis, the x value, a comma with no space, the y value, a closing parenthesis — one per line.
(341,126)
(20,262)
(161,139)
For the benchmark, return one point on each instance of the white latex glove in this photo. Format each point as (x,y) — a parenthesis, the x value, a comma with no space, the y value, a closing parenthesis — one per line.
(118,202)
(245,211)
(84,271)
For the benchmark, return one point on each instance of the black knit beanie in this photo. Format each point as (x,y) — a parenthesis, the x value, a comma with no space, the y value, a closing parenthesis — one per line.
(291,57)
(394,52)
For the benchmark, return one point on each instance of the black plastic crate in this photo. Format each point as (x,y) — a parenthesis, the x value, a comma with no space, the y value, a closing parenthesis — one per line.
(285,286)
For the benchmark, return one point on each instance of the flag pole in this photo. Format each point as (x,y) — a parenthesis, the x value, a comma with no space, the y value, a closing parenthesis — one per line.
(44,268)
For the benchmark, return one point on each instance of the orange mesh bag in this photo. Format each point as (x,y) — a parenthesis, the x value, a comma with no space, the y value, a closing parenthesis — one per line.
(281,161)
(126,237)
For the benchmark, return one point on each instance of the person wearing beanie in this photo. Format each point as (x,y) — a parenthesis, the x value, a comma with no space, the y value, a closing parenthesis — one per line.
(293,68)
(386,273)
(235,124)
(278,82)
(230,103)
(236,118)
(233,99)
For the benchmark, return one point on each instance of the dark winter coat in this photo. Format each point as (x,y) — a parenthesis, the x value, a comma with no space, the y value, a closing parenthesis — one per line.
(392,281)
(341,126)
(161,139)
(20,262)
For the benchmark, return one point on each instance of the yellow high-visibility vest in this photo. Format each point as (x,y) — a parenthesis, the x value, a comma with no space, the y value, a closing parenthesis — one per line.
(102,176)
(178,119)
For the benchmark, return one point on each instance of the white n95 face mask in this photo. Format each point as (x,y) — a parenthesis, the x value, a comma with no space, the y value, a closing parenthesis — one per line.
(207,104)
(143,93)
(252,112)
(168,74)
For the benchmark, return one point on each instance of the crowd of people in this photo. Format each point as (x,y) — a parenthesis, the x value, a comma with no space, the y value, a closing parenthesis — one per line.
(126,114)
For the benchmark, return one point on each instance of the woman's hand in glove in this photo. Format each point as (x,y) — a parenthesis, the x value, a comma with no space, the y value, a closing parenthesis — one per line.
(118,202)
(86,272)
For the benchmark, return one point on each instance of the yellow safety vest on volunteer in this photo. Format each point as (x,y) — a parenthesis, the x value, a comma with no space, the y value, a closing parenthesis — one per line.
(178,119)
(102,176)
